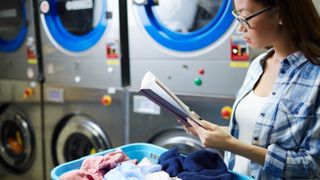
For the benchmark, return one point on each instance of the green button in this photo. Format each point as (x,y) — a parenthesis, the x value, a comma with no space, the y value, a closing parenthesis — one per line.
(198,81)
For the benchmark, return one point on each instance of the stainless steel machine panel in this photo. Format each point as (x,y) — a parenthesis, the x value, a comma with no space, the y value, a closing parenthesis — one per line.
(81,121)
(150,123)
(81,43)
(18,56)
(20,123)
(189,48)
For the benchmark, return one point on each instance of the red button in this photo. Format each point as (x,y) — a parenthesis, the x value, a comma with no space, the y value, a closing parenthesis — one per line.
(106,100)
(27,92)
(226,112)
(201,71)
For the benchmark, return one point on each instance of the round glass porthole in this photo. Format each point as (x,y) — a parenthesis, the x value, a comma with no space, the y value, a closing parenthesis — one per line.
(177,137)
(17,141)
(76,136)
(13,28)
(75,25)
(185,25)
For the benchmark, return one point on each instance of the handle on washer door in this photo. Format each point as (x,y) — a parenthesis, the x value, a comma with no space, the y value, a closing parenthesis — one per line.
(44,6)
(108,15)
(145,2)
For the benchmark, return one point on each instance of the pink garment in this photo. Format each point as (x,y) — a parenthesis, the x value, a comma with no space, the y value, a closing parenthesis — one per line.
(94,168)
(77,175)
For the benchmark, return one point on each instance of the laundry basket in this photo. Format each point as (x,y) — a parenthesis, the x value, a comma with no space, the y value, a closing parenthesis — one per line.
(133,151)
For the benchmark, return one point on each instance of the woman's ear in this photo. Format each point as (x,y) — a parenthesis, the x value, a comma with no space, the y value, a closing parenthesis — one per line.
(278,17)
(280,23)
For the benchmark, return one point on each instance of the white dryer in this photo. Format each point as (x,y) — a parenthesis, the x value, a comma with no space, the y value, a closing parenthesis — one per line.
(18,56)
(191,45)
(81,43)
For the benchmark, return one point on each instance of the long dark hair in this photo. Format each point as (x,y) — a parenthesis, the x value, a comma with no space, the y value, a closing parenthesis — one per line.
(302,20)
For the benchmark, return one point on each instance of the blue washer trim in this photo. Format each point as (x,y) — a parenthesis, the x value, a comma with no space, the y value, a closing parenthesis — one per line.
(191,41)
(69,41)
(13,45)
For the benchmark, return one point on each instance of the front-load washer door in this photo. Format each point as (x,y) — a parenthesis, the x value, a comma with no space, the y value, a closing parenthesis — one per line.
(75,136)
(74,25)
(176,137)
(185,25)
(13,24)
(17,141)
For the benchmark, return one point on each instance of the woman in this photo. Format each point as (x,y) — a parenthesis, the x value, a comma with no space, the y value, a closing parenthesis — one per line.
(274,131)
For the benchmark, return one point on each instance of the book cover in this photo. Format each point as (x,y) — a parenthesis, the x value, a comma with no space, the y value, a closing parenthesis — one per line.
(156,91)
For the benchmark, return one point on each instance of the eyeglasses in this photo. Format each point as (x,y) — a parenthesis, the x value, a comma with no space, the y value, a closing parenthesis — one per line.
(245,20)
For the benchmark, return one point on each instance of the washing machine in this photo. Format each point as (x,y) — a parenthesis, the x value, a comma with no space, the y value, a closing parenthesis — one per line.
(81,43)
(193,47)
(81,121)
(150,123)
(191,41)
(20,129)
(18,56)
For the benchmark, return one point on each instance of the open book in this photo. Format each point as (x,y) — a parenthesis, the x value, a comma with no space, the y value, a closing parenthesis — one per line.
(157,92)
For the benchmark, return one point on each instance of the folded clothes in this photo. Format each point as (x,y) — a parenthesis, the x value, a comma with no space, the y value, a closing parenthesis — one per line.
(129,171)
(97,166)
(200,165)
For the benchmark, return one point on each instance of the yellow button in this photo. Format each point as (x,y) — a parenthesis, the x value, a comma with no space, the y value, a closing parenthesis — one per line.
(27,92)
(226,112)
(106,100)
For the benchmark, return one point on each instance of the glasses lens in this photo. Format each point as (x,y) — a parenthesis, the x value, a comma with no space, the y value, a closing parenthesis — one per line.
(235,13)
(244,23)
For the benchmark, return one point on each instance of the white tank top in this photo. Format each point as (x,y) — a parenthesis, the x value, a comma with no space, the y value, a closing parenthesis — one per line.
(246,114)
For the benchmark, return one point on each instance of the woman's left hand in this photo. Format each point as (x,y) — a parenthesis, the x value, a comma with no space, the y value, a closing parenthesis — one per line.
(214,137)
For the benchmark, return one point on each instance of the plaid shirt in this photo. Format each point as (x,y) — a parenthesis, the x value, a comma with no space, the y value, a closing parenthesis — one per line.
(289,123)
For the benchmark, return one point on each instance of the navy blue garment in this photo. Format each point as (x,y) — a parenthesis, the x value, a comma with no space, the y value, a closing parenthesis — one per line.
(171,162)
(200,165)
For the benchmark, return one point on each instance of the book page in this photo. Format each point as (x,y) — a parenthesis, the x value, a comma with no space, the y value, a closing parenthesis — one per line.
(163,96)
(150,82)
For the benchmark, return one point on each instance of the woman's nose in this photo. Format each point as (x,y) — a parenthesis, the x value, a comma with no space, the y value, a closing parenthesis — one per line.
(241,28)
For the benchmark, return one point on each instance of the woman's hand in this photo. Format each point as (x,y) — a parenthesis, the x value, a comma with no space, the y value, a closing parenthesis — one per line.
(188,129)
(214,137)
(218,137)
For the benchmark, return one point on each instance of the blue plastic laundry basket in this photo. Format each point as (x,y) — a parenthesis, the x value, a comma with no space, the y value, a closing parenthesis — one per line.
(133,151)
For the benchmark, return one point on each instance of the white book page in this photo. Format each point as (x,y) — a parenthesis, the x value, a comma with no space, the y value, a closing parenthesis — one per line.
(150,82)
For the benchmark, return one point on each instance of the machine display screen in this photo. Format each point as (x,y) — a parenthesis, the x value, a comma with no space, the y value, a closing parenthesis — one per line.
(10,19)
(186,15)
(79,17)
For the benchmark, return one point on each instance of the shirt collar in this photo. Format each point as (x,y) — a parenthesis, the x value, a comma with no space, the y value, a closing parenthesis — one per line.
(264,59)
(295,59)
